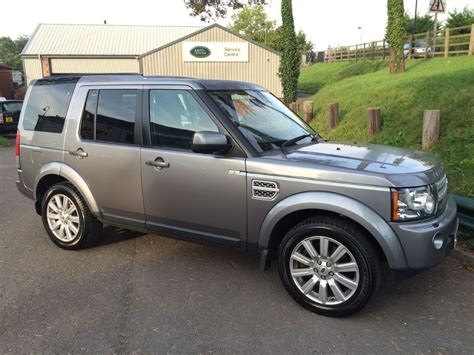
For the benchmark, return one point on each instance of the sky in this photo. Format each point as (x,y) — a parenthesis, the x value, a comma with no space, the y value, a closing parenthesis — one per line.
(330,22)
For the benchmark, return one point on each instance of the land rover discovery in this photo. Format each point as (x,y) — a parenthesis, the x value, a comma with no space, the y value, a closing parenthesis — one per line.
(227,163)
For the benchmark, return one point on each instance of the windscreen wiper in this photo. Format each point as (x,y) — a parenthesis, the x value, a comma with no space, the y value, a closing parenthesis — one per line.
(293,141)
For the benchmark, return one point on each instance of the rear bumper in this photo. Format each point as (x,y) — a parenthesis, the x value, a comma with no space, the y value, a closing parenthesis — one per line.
(418,238)
(20,185)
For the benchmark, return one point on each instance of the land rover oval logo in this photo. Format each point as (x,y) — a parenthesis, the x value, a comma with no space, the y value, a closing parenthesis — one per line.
(200,52)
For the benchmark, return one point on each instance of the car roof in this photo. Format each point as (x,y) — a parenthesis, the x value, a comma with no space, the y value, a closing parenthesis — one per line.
(138,79)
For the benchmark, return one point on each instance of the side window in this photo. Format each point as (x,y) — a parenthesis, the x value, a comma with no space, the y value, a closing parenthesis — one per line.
(109,116)
(47,106)
(174,118)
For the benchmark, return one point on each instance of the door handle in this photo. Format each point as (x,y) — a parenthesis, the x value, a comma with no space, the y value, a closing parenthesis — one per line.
(158,163)
(79,153)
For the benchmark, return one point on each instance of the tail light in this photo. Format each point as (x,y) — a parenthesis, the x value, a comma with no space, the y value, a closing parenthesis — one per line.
(17,144)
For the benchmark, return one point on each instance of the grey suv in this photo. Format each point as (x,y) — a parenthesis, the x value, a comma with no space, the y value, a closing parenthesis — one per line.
(227,163)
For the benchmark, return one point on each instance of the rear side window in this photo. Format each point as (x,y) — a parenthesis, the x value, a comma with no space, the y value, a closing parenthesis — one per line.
(109,116)
(11,106)
(47,106)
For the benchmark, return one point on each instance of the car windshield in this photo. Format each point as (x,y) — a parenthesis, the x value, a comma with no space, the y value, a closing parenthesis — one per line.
(263,119)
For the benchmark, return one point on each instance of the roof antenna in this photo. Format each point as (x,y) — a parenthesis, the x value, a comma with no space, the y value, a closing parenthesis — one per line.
(105,22)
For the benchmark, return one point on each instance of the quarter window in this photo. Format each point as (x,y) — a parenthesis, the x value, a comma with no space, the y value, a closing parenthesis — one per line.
(109,116)
(47,106)
(175,116)
(88,117)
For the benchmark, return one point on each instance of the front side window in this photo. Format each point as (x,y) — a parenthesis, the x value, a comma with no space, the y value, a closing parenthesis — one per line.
(175,116)
(263,119)
(109,116)
(47,106)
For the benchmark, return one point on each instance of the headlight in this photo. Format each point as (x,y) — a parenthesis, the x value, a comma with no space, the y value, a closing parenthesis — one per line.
(413,203)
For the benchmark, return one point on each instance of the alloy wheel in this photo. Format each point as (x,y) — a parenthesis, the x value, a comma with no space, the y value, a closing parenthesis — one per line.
(324,270)
(63,218)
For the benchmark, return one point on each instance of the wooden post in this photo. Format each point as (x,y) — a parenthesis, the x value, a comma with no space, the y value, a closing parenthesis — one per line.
(426,46)
(410,46)
(308,111)
(363,53)
(384,49)
(333,118)
(471,43)
(373,50)
(294,107)
(431,123)
(446,43)
(374,122)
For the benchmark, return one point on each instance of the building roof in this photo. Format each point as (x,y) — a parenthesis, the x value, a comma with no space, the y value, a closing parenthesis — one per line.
(113,40)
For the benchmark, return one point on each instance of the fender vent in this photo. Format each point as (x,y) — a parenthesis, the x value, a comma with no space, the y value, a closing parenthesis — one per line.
(264,190)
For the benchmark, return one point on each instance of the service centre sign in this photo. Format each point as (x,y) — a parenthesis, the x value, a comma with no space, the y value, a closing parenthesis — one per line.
(215,51)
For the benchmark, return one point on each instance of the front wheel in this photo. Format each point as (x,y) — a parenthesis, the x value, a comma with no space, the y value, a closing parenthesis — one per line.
(329,266)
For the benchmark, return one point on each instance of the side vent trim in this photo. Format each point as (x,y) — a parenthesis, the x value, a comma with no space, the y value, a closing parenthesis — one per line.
(264,190)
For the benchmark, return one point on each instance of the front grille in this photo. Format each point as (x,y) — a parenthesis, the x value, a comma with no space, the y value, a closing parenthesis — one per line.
(264,190)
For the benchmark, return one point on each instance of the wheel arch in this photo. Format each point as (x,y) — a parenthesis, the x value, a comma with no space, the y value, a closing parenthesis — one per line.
(55,172)
(298,207)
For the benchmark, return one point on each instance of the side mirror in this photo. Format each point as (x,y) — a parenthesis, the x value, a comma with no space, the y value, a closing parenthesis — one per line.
(211,143)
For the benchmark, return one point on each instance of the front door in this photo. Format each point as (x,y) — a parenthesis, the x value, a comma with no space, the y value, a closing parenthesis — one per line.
(105,151)
(189,195)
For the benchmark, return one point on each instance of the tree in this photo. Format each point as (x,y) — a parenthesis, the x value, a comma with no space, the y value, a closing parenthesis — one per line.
(458,19)
(289,71)
(274,41)
(209,10)
(10,51)
(423,24)
(396,35)
(252,22)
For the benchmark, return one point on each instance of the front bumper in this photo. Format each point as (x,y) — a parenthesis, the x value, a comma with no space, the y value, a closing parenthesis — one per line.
(417,238)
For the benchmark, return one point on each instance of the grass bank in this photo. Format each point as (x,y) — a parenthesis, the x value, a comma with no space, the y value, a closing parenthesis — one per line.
(445,84)
(4,141)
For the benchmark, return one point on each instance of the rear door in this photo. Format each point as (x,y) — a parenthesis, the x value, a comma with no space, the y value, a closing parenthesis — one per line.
(103,146)
(196,196)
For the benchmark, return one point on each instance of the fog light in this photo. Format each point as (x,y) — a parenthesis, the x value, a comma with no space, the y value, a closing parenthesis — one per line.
(438,241)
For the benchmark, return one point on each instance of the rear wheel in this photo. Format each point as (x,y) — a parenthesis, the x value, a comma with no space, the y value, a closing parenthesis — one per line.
(329,266)
(67,219)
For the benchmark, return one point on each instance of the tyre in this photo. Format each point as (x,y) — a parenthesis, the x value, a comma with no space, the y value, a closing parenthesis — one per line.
(329,266)
(67,219)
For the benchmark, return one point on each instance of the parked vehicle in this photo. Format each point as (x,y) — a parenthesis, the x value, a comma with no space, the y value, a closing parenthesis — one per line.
(420,49)
(227,163)
(9,115)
